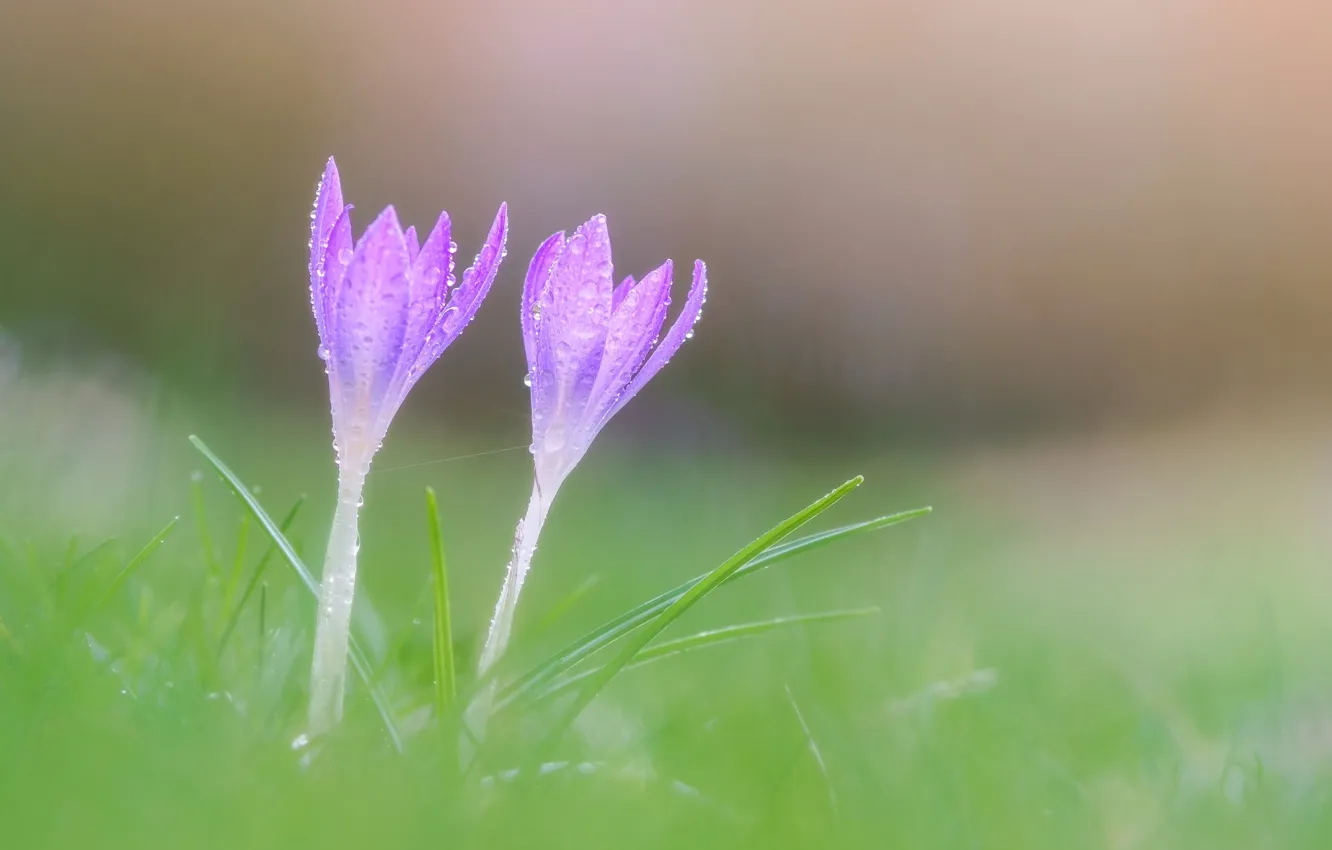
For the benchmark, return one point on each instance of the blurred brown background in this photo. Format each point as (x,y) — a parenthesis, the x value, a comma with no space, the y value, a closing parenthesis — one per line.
(943,215)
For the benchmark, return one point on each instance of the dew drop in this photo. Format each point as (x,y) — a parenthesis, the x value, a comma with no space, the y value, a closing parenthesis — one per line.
(322,351)
(527,379)
(432,276)
(689,334)
(453,247)
(345,256)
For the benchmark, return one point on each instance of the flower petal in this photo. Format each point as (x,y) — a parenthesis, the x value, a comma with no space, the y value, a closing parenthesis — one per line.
(466,299)
(575,315)
(538,274)
(328,206)
(413,244)
(432,278)
(682,330)
(620,291)
(634,328)
(333,267)
(370,309)
(433,265)
(428,286)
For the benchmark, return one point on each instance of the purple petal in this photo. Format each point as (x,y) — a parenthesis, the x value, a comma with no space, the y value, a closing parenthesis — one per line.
(370,309)
(575,315)
(327,207)
(433,266)
(337,254)
(682,330)
(413,244)
(428,286)
(620,291)
(634,328)
(538,273)
(432,277)
(453,317)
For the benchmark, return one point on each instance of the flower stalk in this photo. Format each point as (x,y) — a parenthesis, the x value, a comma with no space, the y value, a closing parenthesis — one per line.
(385,306)
(337,590)
(524,549)
(591,346)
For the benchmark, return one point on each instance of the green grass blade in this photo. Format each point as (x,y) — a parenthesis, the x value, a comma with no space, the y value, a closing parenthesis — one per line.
(446,681)
(816,753)
(358,658)
(254,579)
(710,582)
(706,640)
(75,565)
(137,561)
(564,605)
(237,567)
(606,634)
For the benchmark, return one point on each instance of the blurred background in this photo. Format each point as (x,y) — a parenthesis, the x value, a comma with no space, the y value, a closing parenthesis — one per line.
(953,217)
(1062,270)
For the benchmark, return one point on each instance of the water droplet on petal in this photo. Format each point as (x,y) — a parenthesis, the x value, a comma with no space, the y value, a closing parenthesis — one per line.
(453,247)
(432,276)
(689,334)
(527,379)
(322,351)
(345,256)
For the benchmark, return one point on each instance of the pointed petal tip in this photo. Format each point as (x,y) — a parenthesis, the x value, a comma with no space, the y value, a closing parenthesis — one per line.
(594,226)
(388,218)
(330,179)
(502,220)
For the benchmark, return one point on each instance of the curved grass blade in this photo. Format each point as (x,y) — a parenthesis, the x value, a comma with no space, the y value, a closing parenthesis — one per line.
(705,640)
(254,579)
(358,658)
(137,561)
(685,601)
(816,753)
(73,565)
(564,605)
(446,679)
(609,632)
(237,565)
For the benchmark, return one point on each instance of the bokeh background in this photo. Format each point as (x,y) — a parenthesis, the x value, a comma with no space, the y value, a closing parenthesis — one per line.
(929,218)
(1062,270)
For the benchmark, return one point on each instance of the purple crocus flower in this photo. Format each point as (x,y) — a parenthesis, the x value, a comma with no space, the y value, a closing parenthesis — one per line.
(590,349)
(385,307)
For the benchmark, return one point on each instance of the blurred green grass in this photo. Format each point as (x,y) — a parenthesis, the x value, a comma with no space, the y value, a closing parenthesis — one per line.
(1056,665)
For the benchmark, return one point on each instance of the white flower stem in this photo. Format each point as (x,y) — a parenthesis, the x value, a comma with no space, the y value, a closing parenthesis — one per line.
(477,715)
(524,547)
(337,589)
